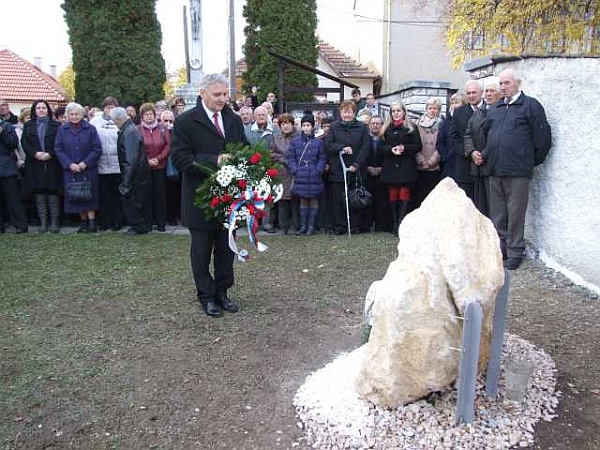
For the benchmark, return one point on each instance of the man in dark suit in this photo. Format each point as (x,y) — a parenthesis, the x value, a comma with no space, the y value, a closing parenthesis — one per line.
(458,127)
(200,136)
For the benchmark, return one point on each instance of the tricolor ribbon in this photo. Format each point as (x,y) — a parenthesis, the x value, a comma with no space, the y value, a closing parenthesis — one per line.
(247,198)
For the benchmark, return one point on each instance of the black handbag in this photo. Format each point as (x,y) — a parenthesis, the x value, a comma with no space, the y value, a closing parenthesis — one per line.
(358,196)
(79,191)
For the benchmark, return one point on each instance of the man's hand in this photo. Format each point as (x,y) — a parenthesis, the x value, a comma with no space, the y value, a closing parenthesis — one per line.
(348,150)
(477,158)
(223,158)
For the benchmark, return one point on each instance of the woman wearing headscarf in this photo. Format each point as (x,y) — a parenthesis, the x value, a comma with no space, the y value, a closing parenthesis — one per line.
(42,168)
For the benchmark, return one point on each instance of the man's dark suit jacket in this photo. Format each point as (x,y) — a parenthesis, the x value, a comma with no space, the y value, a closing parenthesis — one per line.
(194,138)
(458,127)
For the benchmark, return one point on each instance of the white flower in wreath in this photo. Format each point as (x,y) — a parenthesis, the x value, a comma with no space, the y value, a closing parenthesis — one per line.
(263,189)
(225,175)
(278,191)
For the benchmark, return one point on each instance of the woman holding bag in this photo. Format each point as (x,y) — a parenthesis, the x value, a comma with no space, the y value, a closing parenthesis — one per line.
(78,149)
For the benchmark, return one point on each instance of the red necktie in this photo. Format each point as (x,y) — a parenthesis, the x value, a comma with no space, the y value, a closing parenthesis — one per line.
(217,126)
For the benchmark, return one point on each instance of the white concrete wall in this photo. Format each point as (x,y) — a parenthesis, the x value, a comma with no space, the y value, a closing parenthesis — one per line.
(563,220)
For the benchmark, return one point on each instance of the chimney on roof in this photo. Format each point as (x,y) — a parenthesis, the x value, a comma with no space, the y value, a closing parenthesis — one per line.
(53,70)
(37,62)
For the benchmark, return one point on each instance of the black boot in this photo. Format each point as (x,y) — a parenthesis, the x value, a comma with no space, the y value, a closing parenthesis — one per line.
(395,210)
(303,221)
(84,226)
(54,204)
(92,226)
(312,220)
(42,210)
(403,211)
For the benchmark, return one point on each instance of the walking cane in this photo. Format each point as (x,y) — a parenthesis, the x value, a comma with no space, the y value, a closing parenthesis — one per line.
(345,170)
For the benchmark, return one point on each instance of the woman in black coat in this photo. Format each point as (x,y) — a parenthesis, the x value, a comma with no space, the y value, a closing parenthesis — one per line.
(351,138)
(42,167)
(401,142)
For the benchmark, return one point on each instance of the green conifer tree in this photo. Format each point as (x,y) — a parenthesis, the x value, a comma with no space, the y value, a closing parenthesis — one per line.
(288,29)
(116,50)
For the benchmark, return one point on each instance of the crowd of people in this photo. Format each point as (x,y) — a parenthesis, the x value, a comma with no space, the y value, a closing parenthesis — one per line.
(399,159)
(138,168)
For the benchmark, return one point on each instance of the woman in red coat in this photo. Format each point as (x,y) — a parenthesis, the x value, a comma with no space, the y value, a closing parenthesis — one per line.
(156,143)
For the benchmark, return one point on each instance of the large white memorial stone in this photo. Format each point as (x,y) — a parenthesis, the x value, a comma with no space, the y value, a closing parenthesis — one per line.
(448,255)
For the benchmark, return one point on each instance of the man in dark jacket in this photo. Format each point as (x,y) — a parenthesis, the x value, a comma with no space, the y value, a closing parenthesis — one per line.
(135,173)
(6,113)
(474,143)
(9,184)
(458,126)
(519,138)
(200,136)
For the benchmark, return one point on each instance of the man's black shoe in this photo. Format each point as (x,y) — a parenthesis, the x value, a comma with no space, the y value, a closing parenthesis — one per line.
(227,304)
(212,308)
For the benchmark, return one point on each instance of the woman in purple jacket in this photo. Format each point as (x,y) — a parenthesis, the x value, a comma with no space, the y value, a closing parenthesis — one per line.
(306,162)
(78,148)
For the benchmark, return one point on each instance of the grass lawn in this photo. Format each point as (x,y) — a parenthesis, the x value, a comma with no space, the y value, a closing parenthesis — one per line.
(104,346)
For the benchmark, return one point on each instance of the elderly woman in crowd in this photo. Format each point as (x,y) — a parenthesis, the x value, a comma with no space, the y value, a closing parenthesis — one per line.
(288,206)
(428,159)
(109,173)
(442,143)
(167,118)
(157,144)
(401,141)
(351,139)
(43,169)
(78,148)
(24,116)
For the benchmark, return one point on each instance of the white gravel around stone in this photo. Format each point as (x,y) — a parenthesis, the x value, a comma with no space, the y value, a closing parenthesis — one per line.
(335,417)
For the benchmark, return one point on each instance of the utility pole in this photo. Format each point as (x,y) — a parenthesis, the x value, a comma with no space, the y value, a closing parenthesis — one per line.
(232,61)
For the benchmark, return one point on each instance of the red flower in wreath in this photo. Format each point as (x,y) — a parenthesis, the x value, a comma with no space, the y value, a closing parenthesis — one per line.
(255,159)
(242,184)
(226,198)
(270,199)
(214,202)
(272,172)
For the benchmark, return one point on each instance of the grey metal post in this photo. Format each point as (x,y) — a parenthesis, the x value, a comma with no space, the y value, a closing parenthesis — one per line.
(493,370)
(469,359)
(232,61)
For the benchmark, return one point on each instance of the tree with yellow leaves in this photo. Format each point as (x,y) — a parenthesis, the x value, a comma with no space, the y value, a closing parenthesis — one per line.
(517,27)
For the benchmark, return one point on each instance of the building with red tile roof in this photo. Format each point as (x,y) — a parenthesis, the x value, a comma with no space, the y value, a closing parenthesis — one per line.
(21,83)
(336,63)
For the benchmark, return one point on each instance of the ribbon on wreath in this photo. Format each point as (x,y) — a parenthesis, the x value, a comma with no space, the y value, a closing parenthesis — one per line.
(256,209)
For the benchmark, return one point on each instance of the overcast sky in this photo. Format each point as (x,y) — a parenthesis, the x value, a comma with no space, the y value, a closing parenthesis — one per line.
(36,28)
